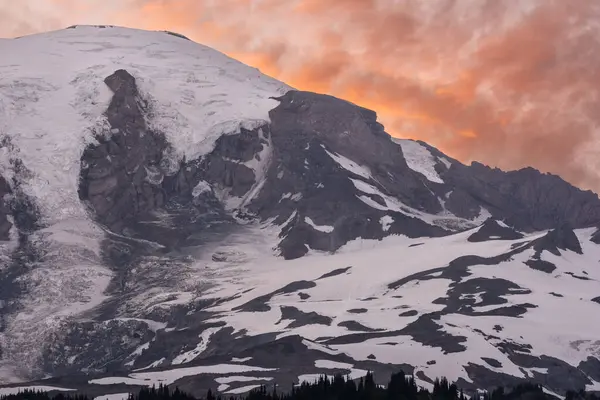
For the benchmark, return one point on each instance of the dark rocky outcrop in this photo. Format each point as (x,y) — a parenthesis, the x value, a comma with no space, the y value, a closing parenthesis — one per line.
(527,199)
(26,255)
(301,318)
(123,176)
(591,367)
(492,362)
(429,333)
(5,212)
(541,265)
(313,136)
(492,230)
(357,326)
(260,304)
(95,347)
(561,238)
(596,237)
(333,273)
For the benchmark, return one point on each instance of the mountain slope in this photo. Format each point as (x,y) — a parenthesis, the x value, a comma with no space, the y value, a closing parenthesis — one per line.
(169,209)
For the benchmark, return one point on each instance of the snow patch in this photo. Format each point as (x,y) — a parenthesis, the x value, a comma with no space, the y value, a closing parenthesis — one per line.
(200,347)
(386,222)
(240,360)
(16,390)
(200,188)
(349,165)
(320,228)
(114,396)
(327,364)
(167,377)
(243,389)
(419,159)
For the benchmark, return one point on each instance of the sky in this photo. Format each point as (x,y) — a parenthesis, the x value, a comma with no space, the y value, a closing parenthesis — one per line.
(510,83)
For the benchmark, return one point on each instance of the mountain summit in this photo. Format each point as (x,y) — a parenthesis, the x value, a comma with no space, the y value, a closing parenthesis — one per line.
(170,215)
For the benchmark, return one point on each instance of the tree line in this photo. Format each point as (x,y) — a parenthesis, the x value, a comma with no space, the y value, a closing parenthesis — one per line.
(338,387)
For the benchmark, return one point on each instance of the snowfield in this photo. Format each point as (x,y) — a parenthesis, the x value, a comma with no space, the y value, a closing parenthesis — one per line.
(362,294)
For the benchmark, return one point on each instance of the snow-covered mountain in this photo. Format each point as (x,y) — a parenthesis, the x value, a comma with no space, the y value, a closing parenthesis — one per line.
(172,215)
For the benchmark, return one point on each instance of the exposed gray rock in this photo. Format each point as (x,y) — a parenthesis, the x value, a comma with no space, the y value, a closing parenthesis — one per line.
(410,313)
(27,255)
(427,332)
(560,375)
(492,362)
(5,224)
(580,277)
(259,304)
(358,310)
(335,272)
(324,126)
(541,265)
(122,176)
(486,379)
(93,348)
(520,198)
(561,238)
(357,326)
(421,375)
(492,230)
(591,367)
(301,318)
(596,237)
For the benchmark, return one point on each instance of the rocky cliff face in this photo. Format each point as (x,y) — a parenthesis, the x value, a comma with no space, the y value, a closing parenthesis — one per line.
(324,169)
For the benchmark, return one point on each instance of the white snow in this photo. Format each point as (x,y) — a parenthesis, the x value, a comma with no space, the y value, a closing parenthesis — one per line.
(167,377)
(328,364)
(225,381)
(395,259)
(70,280)
(152,365)
(200,188)
(502,224)
(114,396)
(350,165)
(309,378)
(241,378)
(419,159)
(196,94)
(15,390)
(319,347)
(445,161)
(320,228)
(243,389)
(200,347)
(444,219)
(386,222)
(241,360)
